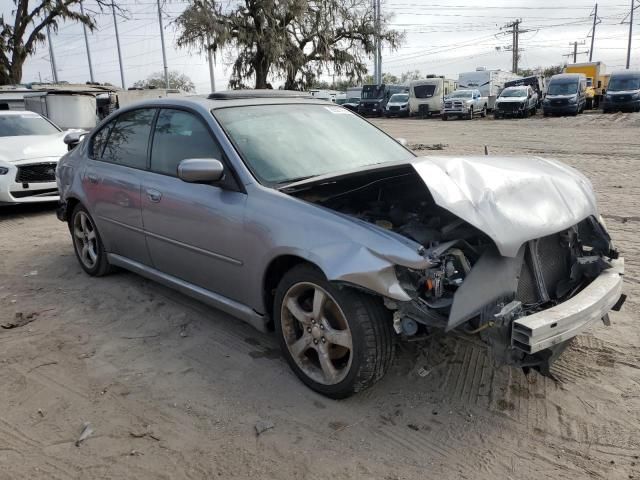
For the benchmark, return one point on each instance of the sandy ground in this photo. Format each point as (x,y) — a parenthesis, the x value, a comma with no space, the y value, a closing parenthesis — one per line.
(173,389)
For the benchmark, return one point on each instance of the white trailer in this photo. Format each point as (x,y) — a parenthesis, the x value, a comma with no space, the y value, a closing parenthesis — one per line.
(426,96)
(65,109)
(489,82)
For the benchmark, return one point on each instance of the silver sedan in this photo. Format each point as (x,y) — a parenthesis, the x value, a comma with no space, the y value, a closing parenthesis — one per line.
(302,218)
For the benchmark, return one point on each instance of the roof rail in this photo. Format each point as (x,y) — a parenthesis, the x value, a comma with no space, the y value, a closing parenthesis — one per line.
(267,93)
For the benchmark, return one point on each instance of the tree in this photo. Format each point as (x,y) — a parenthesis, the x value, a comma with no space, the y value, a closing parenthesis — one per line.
(335,35)
(176,80)
(19,39)
(407,77)
(295,40)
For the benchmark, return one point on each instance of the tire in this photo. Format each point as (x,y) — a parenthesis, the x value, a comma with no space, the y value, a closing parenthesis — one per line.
(84,233)
(444,117)
(470,114)
(483,113)
(496,115)
(362,318)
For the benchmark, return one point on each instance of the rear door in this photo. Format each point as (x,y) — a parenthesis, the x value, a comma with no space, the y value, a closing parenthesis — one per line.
(195,232)
(112,182)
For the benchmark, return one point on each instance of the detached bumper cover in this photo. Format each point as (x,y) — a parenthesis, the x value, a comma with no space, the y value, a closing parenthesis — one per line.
(564,321)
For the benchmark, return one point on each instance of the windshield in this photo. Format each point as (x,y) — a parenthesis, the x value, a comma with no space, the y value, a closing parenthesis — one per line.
(462,94)
(563,88)
(399,97)
(513,92)
(622,84)
(284,143)
(25,124)
(424,91)
(372,91)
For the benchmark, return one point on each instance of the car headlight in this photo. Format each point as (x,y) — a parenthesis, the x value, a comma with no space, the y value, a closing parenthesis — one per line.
(4,170)
(573,100)
(635,96)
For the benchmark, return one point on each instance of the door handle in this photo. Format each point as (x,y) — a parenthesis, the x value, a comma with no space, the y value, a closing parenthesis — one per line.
(92,178)
(154,195)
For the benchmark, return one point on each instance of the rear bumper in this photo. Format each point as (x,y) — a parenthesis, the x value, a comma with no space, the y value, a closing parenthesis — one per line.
(558,324)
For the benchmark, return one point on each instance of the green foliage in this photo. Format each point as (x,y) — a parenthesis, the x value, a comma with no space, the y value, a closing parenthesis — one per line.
(176,80)
(20,37)
(294,40)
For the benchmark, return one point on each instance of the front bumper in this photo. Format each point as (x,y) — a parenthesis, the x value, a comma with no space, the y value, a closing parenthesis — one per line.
(560,109)
(13,190)
(516,111)
(625,106)
(562,322)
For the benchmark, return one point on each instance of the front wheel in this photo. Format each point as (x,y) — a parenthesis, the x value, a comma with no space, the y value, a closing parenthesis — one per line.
(444,117)
(483,113)
(470,114)
(87,243)
(337,340)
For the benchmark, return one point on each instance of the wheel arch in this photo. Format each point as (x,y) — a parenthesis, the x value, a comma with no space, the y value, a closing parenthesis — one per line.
(274,272)
(72,202)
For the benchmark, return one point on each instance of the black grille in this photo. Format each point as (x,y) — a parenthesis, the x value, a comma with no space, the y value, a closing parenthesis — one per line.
(40,172)
(621,98)
(560,101)
(527,289)
(394,109)
(554,262)
(553,258)
(509,106)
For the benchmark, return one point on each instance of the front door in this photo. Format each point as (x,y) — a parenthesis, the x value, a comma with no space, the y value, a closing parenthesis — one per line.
(112,182)
(194,231)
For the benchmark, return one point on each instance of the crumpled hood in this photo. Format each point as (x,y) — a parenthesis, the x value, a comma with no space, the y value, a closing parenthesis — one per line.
(512,200)
(27,147)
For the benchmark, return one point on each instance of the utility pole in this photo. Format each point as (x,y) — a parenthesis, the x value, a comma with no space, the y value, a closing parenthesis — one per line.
(377,57)
(212,77)
(379,44)
(115,25)
(86,43)
(52,57)
(164,53)
(575,52)
(515,42)
(596,20)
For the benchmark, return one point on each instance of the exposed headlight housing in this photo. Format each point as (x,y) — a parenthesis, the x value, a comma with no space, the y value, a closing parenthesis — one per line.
(4,170)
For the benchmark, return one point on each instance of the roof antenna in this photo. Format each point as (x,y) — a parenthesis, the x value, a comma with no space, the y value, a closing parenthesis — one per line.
(486,150)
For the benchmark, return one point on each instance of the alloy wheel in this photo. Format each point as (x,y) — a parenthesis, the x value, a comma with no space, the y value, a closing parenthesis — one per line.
(85,239)
(316,333)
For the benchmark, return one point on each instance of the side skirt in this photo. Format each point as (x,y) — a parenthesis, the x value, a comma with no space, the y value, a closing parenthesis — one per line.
(212,299)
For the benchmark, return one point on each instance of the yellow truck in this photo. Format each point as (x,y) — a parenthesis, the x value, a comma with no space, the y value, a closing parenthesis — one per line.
(595,73)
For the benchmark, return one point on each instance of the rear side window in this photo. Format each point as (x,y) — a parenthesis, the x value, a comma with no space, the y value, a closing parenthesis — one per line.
(180,135)
(127,143)
(99,140)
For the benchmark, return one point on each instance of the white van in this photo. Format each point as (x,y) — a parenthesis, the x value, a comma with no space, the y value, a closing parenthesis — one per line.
(426,96)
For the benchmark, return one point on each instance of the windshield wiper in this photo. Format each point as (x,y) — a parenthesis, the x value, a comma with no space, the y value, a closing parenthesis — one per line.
(294,180)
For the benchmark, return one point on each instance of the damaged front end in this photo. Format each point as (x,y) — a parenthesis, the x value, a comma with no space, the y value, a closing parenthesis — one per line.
(526,286)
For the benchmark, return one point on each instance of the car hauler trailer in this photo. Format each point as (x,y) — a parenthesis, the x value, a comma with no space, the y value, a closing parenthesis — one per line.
(426,96)
(489,82)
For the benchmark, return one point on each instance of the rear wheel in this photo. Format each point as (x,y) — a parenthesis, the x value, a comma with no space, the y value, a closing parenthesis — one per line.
(337,340)
(87,243)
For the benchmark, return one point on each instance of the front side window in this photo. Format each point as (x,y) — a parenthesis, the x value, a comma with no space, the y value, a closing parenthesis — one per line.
(284,143)
(180,135)
(23,124)
(127,143)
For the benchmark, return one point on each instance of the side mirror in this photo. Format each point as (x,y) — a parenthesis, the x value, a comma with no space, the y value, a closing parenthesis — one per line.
(73,138)
(402,141)
(200,170)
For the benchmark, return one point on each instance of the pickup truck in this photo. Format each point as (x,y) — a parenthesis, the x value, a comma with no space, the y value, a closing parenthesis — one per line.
(516,102)
(464,104)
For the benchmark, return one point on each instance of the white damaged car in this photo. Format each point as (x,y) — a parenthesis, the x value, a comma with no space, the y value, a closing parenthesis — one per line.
(30,147)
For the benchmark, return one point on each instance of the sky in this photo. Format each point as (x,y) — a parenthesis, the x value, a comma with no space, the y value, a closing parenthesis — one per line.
(443,37)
